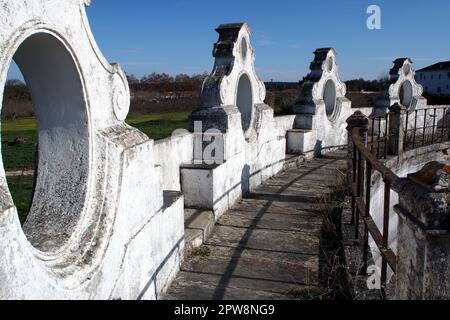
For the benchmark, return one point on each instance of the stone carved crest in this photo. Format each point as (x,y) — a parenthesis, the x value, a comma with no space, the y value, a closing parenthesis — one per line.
(233,81)
(322,86)
(402,88)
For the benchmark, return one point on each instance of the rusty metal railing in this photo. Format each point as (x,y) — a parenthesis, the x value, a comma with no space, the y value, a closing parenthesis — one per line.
(368,148)
(426,126)
(364,163)
(379,135)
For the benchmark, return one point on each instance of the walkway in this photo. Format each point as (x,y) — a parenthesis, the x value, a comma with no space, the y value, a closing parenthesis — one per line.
(268,246)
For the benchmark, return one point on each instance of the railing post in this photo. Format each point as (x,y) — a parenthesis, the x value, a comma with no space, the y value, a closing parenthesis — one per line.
(397,134)
(355,168)
(357,120)
(423,262)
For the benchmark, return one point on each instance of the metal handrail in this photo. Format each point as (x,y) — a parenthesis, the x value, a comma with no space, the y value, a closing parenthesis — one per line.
(421,132)
(368,158)
(361,196)
(386,173)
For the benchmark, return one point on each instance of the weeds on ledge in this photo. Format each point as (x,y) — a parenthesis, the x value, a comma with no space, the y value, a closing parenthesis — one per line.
(307,294)
(334,279)
(201,252)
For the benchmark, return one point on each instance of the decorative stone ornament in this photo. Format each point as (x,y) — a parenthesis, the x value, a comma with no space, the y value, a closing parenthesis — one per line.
(402,88)
(322,87)
(94,230)
(322,109)
(233,81)
(233,115)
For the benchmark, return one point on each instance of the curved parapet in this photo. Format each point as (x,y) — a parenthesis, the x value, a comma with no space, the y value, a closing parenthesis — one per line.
(322,109)
(402,88)
(98,197)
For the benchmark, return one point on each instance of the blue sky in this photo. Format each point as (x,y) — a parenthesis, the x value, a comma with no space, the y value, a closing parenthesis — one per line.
(176,36)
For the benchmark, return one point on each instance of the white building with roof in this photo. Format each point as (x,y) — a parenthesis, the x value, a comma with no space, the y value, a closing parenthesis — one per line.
(435,79)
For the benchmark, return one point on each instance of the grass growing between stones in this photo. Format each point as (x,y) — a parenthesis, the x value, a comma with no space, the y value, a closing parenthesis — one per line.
(307,294)
(334,277)
(200,252)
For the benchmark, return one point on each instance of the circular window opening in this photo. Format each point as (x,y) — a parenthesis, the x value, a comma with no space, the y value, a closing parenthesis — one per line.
(62,141)
(244,101)
(329,97)
(406,94)
(244,49)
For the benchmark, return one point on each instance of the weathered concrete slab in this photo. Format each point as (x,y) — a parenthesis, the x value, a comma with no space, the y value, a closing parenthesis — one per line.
(255,269)
(278,207)
(283,241)
(242,219)
(207,288)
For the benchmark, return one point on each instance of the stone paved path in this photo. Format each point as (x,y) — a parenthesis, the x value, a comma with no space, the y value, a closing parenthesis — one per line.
(268,244)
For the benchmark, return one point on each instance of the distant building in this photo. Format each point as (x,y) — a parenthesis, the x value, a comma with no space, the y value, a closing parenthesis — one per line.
(435,79)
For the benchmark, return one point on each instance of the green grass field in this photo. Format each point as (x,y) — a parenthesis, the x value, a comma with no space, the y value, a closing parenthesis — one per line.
(159,126)
(21,189)
(156,126)
(19,157)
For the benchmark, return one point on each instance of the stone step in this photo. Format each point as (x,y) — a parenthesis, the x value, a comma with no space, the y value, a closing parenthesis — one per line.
(198,226)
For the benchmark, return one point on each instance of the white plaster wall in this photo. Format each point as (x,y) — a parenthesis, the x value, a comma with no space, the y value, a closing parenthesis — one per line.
(247,164)
(170,154)
(325,132)
(283,124)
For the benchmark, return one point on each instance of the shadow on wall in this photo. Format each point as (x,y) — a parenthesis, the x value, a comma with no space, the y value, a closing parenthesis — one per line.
(245,180)
(318,148)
